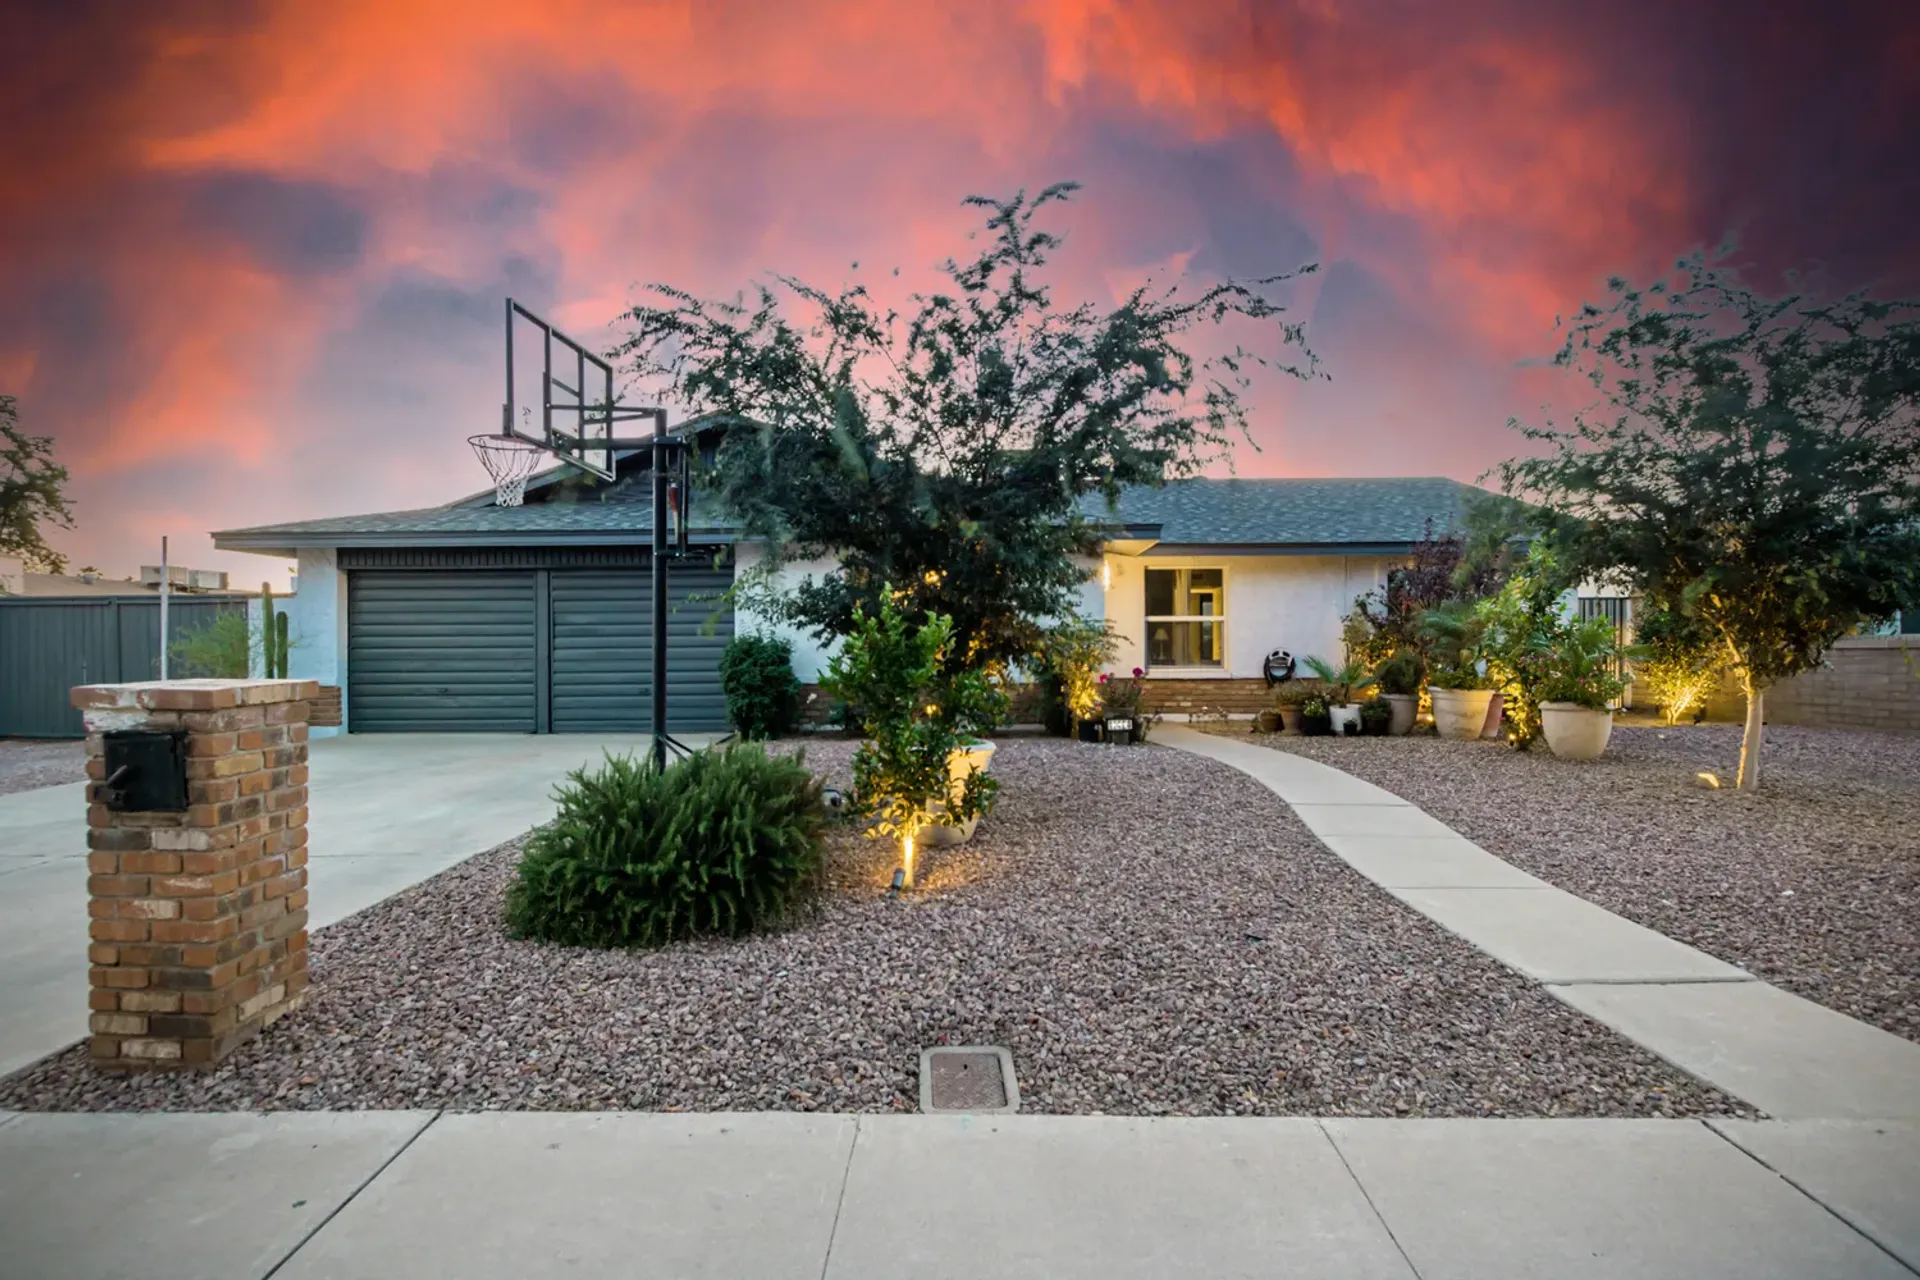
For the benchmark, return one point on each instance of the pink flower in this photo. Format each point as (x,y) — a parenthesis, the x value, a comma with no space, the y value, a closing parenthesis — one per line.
(1103,677)
(1138,672)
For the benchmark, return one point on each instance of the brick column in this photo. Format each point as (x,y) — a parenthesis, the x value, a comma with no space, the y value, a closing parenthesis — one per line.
(198,918)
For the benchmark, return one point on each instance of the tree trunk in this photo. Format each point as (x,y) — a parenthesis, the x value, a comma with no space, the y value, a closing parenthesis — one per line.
(1750,740)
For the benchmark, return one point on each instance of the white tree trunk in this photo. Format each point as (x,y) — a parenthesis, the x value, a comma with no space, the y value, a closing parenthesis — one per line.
(1750,740)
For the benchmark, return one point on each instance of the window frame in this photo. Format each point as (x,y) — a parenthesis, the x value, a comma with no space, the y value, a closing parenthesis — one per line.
(1218,669)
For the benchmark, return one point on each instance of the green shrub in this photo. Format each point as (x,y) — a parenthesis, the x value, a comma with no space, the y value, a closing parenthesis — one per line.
(218,648)
(721,843)
(1399,674)
(756,674)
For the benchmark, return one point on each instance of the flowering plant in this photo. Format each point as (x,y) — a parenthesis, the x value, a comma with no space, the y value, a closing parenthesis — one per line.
(1122,697)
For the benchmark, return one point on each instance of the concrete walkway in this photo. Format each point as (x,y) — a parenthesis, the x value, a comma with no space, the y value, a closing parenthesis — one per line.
(507,1195)
(1791,1058)
(387,811)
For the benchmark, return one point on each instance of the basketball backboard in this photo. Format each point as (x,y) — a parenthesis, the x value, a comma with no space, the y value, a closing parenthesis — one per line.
(559,394)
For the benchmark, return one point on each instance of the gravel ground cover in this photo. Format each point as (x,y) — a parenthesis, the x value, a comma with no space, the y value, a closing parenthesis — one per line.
(1813,883)
(1148,931)
(26,764)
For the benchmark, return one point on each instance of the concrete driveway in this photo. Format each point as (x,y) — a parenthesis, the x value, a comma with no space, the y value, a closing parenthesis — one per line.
(386,811)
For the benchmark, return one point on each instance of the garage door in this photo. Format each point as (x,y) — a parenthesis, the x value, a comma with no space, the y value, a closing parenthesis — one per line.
(602,633)
(431,652)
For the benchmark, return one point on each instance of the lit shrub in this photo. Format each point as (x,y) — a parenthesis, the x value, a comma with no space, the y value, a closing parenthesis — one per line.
(720,843)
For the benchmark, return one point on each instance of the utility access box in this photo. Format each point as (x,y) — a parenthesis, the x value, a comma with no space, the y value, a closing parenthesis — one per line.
(146,771)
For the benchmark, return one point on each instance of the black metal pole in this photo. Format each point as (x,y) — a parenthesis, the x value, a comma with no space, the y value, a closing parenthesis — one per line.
(660,592)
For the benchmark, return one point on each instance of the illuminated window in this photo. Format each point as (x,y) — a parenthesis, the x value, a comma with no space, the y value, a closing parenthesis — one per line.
(1186,617)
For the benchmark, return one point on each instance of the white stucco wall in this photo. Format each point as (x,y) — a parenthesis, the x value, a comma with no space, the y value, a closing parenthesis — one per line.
(1272,602)
(810,656)
(317,628)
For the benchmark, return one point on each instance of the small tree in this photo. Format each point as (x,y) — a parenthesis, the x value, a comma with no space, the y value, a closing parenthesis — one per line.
(916,712)
(946,453)
(1440,568)
(1524,625)
(1754,461)
(1072,651)
(32,494)
(1676,663)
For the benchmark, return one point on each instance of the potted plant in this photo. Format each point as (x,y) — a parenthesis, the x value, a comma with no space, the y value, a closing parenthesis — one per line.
(1376,714)
(1398,679)
(1579,689)
(1288,701)
(1075,650)
(1314,720)
(1456,682)
(1342,683)
(1120,707)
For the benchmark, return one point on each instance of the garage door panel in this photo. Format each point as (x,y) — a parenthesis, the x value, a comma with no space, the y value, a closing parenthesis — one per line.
(441,651)
(602,650)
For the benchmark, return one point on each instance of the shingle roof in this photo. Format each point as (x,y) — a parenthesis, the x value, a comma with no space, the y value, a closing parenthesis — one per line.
(1369,512)
(618,510)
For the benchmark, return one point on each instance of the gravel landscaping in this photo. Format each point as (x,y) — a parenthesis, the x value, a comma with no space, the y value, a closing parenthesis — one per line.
(1149,932)
(1812,883)
(27,764)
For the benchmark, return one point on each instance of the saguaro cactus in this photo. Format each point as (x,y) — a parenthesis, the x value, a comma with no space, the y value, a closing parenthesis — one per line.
(273,636)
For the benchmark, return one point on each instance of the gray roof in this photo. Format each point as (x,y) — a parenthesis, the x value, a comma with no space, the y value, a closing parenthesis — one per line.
(1376,514)
(1373,512)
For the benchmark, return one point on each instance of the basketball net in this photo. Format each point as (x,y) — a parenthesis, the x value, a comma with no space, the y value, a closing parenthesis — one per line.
(509,460)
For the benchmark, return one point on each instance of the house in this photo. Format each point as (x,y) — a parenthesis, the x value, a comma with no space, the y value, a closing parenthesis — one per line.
(535,618)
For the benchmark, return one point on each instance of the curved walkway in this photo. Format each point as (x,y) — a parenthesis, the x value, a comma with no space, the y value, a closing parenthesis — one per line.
(1789,1057)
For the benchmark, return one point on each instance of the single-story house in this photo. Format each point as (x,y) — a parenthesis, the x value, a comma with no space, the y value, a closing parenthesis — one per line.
(535,618)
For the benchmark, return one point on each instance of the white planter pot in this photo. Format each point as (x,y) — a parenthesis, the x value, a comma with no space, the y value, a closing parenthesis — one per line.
(960,766)
(1406,709)
(1460,713)
(1347,713)
(1575,732)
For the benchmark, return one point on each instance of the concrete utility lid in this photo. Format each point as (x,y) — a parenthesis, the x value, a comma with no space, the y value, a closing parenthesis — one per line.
(976,1078)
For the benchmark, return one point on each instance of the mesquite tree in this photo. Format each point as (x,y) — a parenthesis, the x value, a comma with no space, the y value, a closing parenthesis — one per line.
(32,493)
(948,450)
(1753,462)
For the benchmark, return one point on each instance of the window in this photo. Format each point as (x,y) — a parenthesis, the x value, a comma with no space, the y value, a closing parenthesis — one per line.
(1186,617)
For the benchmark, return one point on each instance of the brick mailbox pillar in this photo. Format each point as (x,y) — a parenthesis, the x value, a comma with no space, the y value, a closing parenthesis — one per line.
(198,904)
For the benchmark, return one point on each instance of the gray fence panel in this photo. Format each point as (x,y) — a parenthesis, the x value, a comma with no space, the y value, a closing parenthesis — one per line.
(49,644)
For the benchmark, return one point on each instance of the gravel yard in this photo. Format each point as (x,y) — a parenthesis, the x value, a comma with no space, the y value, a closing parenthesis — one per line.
(1813,883)
(26,764)
(1148,931)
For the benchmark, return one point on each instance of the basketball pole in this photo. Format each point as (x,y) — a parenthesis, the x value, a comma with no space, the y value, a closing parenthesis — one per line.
(659,699)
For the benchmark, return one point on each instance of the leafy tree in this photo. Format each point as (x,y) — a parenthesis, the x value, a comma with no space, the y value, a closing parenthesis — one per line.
(32,494)
(1441,568)
(948,450)
(1753,462)
(1524,626)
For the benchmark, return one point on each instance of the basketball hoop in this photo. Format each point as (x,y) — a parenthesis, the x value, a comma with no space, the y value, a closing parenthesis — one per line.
(509,460)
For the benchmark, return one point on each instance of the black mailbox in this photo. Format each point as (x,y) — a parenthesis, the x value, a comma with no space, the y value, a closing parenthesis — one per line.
(146,771)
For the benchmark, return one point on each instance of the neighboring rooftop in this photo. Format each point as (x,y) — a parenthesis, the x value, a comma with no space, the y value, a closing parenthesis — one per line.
(1385,513)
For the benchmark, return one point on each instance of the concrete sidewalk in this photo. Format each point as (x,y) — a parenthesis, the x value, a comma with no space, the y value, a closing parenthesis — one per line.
(1791,1058)
(510,1195)
(387,812)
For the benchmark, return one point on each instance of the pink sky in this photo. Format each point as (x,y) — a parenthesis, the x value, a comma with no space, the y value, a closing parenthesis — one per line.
(256,271)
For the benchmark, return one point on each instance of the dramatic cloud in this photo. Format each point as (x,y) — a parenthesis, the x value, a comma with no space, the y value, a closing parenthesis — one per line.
(252,256)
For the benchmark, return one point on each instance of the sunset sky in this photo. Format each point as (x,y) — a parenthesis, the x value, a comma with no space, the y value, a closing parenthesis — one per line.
(252,256)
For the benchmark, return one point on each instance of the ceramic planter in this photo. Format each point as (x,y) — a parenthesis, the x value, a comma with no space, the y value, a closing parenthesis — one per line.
(1406,708)
(1460,713)
(1290,718)
(1347,713)
(960,765)
(1315,726)
(1088,731)
(1575,732)
(1495,709)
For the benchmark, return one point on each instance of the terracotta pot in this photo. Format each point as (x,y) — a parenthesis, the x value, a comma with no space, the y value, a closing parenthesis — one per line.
(1269,721)
(1460,713)
(1575,732)
(960,764)
(1495,710)
(1406,709)
(1290,718)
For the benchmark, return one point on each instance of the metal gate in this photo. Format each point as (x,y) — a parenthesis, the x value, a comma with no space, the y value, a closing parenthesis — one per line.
(1619,611)
(49,644)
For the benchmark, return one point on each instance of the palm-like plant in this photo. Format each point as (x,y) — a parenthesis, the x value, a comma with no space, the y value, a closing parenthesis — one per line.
(1343,681)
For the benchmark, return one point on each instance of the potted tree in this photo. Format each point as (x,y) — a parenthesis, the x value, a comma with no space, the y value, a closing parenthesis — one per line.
(1398,679)
(1456,680)
(1579,689)
(1342,683)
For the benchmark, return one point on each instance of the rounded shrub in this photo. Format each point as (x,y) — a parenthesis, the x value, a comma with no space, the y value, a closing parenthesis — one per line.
(721,843)
(756,674)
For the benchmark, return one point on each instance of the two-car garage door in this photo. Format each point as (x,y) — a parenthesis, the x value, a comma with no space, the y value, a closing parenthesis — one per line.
(528,651)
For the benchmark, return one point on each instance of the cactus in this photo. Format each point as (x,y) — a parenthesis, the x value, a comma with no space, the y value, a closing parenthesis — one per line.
(273,636)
